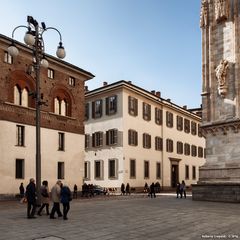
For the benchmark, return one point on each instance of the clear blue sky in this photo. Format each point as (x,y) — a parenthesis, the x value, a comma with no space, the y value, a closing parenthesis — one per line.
(156,44)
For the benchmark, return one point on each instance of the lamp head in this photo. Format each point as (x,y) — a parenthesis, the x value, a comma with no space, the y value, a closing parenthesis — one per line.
(29,38)
(12,50)
(60,51)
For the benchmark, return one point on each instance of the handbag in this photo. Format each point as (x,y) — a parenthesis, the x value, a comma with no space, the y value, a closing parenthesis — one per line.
(23,200)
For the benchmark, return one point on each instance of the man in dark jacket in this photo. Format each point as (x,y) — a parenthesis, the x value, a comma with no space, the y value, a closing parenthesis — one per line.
(31,198)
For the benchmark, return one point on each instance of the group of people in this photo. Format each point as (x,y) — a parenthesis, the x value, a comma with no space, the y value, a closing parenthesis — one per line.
(60,193)
(125,190)
(181,189)
(152,189)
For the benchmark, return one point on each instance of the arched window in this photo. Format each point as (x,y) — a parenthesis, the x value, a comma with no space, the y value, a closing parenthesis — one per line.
(20,96)
(24,101)
(56,106)
(61,102)
(17,95)
(63,108)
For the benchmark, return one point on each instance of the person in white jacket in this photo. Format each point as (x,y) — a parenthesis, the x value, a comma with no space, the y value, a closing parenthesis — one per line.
(55,194)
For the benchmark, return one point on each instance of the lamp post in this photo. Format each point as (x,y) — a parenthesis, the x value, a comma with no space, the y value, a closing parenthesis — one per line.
(34,39)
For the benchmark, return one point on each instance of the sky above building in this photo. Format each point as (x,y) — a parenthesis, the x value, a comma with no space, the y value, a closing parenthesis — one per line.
(156,44)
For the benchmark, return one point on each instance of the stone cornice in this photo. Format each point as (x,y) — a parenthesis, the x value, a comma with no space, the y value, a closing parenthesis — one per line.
(221,128)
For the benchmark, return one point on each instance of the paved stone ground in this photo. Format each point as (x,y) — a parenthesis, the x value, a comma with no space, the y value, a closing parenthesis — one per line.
(122,217)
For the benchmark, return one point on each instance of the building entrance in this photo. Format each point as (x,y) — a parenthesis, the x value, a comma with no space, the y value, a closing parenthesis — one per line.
(175,175)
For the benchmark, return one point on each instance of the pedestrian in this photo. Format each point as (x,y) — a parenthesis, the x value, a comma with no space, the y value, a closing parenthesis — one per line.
(65,200)
(44,198)
(183,189)
(56,192)
(21,190)
(31,198)
(122,189)
(152,190)
(128,189)
(75,191)
(157,187)
(145,188)
(178,189)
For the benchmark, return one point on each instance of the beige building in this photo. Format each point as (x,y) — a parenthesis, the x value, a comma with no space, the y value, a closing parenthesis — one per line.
(62,117)
(135,136)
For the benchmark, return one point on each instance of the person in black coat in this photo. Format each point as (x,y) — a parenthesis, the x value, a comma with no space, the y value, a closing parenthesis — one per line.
(21,190)
(122,189)
(152,190)
(65,200)
(31,198)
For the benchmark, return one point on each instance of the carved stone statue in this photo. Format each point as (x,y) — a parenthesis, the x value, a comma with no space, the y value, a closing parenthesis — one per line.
(221,72)
(204,14)
(221,10)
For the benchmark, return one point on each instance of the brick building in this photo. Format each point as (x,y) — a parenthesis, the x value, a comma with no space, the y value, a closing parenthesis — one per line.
(62,116)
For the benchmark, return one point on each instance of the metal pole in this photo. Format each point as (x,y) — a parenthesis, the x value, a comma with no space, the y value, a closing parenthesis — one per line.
(37,55)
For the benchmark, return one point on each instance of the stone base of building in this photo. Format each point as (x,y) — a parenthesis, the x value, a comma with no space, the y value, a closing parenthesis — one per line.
(217,192)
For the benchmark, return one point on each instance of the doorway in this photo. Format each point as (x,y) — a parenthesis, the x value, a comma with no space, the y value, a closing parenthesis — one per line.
(174,175)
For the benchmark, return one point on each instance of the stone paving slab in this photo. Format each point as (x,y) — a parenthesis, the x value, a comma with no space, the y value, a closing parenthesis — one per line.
(122,217)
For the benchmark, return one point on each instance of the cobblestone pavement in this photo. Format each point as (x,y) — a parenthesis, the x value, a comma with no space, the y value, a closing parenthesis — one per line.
(123,217)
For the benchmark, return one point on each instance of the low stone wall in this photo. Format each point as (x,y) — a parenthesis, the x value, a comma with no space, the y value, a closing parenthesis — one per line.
(217,192)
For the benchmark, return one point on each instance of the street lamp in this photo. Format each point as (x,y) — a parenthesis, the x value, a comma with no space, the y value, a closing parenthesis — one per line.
(34,39)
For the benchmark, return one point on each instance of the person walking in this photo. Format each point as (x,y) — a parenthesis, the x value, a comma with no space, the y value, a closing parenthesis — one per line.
(65,200)
(56,192)
(31,198)
(178,192)
(44,198)
(122,189)
(128,189)
(183,189)
(145,189)
(152,190)
(21,190)
(75,191)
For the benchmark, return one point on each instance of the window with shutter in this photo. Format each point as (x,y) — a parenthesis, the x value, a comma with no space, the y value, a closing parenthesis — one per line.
(158,144)
(132,106)
(132,168)
(169,119)
(186,126)
(132,137)
(169,145)
(187,149)
(179,123)
(179,147)
(193,128)
(146,141)
(111,105)
(97,109)
(158,116)
(146,112)
(112,137)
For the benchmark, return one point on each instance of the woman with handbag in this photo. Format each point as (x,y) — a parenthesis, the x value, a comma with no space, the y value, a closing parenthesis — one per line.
(44,198)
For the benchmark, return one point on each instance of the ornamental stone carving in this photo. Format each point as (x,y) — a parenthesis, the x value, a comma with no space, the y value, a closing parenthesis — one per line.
(204,14)
(221,73)
(221,10)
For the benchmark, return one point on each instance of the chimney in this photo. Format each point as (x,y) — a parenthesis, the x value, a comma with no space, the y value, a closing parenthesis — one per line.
(105,83)
(185,107)
(158,94)
(153,92)
(86,88)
